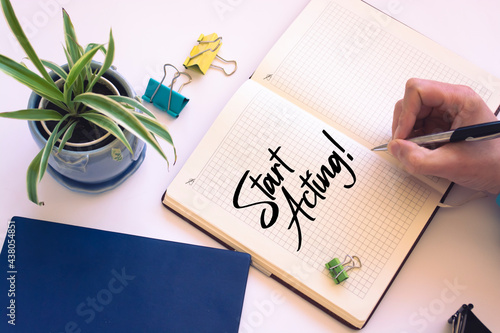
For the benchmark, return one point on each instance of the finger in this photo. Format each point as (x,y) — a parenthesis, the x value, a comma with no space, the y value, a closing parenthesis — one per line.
(396,115)
(450,105)
(422,161)
(420,97)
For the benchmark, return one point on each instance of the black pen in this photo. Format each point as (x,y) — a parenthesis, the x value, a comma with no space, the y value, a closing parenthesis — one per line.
(479,132)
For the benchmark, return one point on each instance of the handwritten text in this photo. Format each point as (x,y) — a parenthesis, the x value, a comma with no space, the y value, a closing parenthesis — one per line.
(315,187)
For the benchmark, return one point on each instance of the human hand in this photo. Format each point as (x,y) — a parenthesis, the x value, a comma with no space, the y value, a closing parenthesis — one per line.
(432,107)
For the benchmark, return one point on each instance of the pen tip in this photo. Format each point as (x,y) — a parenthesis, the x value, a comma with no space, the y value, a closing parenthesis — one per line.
(379,148)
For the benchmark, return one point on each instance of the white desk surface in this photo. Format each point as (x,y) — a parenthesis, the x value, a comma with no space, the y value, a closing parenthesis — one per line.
(456,260)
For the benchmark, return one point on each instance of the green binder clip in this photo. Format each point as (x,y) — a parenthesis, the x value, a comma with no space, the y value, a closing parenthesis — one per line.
(338,270)
(165,98)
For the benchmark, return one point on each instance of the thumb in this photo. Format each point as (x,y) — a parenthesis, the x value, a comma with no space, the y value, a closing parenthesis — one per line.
(416,159)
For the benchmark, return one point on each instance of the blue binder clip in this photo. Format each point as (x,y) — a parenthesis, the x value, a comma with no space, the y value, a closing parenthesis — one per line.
(165,98)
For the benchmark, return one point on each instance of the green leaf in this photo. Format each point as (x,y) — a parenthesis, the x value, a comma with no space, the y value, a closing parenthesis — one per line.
(72,46)
(67,135)
(157,128)
(16,28)
(32,81)
(32,114)
(133,102)
(74,51)
(108,60)
(76,72)
(32,178)
(56,69)
(121,115)
(39,164)
(79,66)
(68,58)
(92,45)
(107,124)
(54,136)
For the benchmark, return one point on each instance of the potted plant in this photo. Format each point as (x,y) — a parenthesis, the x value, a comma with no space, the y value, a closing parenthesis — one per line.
(84,115)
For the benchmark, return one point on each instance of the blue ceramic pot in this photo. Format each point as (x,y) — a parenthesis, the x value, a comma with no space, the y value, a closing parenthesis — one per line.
(93,167)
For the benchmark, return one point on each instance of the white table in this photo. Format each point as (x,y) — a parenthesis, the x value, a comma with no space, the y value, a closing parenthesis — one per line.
(455,262)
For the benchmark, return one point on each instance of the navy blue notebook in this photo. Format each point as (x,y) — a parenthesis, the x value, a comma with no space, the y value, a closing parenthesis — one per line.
(62,278)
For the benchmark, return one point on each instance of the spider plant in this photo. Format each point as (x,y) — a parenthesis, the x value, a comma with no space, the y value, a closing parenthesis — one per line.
(75,102)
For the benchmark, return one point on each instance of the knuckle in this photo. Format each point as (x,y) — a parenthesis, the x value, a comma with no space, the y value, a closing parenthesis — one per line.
(413,163)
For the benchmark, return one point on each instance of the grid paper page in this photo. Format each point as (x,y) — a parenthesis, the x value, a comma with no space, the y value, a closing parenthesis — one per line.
(367,220)
(358,75)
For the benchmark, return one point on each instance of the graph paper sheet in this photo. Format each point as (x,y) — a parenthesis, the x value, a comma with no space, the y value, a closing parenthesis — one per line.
(368,219)
(351,69)
(286,172)
(280,184)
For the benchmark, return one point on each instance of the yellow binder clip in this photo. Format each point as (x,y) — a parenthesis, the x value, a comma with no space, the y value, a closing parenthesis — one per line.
(203,54)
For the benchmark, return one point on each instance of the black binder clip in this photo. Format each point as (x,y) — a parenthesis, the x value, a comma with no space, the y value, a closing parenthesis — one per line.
(165,98)
(464,321)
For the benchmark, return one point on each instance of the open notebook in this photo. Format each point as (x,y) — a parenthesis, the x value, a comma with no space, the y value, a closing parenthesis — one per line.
(286,173)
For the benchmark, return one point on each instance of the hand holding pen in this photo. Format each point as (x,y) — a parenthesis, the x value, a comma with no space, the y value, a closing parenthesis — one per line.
(479,132)
(430,107)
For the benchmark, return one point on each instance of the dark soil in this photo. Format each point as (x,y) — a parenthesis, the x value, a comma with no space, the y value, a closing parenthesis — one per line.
(84,131)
